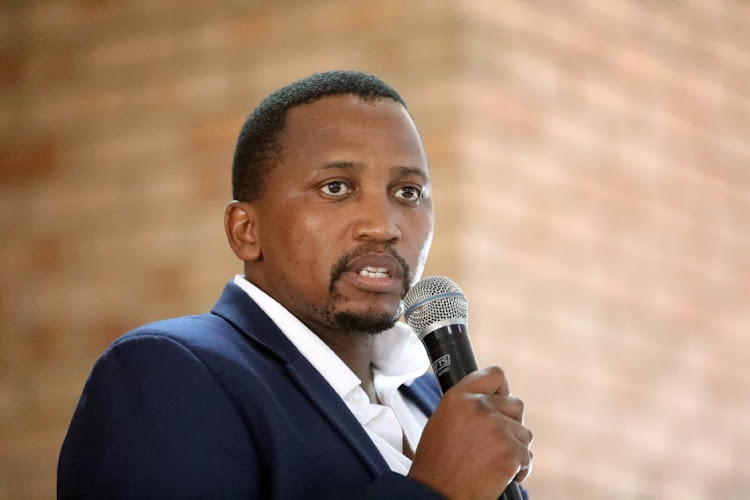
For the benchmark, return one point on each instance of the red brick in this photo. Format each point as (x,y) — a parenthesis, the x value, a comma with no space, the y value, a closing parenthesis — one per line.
(45,253)
(31,160)
(12,69)
(253,27)
(42,342)
(217,133)
(589,170)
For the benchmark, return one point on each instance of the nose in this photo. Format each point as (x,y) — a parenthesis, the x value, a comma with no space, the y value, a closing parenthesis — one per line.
(376,220)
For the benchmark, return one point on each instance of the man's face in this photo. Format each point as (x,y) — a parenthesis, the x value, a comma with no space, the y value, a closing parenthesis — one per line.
(345,221)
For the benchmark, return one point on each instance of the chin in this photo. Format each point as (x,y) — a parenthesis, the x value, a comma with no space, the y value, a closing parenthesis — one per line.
(368,322)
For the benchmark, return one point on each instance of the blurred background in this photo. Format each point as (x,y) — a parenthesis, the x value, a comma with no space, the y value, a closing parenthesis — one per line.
(591,173)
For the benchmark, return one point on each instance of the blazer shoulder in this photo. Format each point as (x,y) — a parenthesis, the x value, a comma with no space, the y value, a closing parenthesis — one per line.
(181,328)
(196,333)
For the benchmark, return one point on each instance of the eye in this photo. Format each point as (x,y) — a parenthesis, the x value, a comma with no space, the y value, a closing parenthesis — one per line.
(336,188)
(409,193)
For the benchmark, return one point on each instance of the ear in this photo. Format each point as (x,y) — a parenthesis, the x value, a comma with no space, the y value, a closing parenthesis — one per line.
(240,223)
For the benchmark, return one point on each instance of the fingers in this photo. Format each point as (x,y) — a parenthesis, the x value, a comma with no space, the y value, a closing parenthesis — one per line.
(522,434)
(475,442)
(507,413)
(523,455)
(506,405)
(510,406)
(490,392)
(490,380)
(525,469)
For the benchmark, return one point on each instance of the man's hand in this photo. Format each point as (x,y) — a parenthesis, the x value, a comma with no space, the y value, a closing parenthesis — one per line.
(475,442)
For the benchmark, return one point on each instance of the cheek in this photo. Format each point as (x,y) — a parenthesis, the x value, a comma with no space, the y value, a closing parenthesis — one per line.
(418,244)
(308,232)
(427,243)
(422,257)
(310,244)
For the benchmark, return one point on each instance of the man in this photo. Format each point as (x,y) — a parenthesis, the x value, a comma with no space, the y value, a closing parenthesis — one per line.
(300,383)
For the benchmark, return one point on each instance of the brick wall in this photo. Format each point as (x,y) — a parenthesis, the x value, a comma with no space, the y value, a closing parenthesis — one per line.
(590,169)
(609,152)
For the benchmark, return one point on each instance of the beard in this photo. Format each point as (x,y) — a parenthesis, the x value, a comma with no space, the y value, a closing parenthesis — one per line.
(370,322)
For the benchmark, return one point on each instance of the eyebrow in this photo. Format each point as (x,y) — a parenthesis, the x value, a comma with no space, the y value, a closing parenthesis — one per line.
(344,165)
(350,165)
(419,172)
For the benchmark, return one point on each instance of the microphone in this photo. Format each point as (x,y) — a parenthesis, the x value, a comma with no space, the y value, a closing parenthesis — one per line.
(438,312)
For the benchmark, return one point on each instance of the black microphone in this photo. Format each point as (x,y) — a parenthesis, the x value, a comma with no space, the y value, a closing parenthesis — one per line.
(438,312)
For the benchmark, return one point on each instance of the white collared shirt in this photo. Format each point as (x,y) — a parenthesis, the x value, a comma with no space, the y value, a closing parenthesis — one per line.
(399,359)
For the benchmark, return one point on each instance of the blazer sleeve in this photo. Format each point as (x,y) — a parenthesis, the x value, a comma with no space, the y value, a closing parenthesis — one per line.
(153,422)
(394,485)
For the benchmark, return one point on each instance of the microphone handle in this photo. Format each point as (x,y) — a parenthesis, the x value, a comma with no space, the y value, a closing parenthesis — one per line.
(452,358)
(451,355)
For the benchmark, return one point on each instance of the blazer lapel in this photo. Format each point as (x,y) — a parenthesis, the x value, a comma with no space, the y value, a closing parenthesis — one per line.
(423,392)
(239,309)
(322,395)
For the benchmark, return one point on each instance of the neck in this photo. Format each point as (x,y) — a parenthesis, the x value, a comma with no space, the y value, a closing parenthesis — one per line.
(356,351)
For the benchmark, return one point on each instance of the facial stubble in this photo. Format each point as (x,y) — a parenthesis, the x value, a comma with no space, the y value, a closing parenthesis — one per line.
(370,322)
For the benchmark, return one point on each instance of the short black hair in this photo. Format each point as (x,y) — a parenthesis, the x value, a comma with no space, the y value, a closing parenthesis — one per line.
(258,144)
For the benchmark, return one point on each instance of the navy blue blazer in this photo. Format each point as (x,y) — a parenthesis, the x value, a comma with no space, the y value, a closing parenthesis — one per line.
(222,405)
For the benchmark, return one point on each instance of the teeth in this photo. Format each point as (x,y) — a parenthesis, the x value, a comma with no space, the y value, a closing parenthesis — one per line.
(374,272)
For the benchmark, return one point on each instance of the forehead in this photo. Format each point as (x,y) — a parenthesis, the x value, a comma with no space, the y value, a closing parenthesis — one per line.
(338,127)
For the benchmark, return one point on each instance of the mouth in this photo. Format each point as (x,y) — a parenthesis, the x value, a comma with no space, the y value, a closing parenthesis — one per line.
(376,265)
(376,273)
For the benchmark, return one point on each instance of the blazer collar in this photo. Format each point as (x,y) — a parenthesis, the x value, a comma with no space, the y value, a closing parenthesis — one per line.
(247,317)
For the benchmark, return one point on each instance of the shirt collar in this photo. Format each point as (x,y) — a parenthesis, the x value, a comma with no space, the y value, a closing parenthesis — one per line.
(317,352)
(399,356)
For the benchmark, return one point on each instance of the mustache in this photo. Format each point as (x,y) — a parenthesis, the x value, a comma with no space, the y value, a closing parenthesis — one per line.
(339,268)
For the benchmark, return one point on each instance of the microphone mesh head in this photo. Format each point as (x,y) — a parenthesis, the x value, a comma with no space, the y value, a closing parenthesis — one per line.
(433,300)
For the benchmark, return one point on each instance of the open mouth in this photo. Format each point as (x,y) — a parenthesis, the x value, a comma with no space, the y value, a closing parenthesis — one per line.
(376,265)
(374,272)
